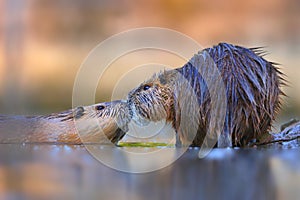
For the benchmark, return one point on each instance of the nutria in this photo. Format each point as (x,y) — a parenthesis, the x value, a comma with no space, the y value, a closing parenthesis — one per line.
(110,118)
(252,92)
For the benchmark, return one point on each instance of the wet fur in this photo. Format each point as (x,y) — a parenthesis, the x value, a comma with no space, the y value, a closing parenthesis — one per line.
(252,87)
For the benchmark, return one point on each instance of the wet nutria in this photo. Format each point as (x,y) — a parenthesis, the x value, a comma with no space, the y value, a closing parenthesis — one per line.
(251,89)
(110,118)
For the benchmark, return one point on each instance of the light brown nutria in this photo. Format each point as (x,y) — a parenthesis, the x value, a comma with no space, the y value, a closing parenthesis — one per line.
(252,90)
(99,123)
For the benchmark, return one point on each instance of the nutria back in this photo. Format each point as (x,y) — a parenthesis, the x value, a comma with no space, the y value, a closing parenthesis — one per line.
(251,84)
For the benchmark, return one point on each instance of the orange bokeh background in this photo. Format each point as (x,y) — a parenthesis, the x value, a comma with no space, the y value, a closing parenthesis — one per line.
(43,42)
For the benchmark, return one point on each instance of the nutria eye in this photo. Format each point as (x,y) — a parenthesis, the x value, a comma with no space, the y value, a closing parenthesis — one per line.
(146,87)
(100,107)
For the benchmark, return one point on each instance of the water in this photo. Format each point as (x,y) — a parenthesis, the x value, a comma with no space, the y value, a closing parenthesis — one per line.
(70,172)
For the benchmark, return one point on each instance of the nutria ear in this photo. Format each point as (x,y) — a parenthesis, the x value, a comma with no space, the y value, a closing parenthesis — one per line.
(163,79)
(79,112)
(166,76)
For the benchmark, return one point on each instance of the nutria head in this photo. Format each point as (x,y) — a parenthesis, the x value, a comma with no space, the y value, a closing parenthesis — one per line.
(116,112)
(153,99)
(109,119)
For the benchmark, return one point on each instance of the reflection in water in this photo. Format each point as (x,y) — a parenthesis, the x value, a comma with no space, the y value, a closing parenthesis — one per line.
(219,154)
(59,171)
(286,174)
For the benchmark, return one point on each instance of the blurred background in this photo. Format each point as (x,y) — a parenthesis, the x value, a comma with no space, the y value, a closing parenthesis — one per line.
(43,42)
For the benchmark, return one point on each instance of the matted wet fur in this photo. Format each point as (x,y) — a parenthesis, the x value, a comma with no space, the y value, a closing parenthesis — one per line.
(99,123)
(252,86)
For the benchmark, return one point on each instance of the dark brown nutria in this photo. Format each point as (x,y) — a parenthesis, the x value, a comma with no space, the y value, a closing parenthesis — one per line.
(252,90)
(99,123)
